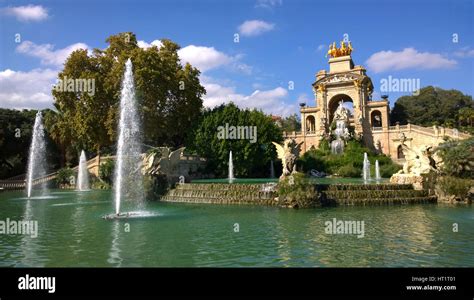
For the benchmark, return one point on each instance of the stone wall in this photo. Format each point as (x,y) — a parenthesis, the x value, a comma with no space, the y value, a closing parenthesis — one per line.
(219,193)
(266,194)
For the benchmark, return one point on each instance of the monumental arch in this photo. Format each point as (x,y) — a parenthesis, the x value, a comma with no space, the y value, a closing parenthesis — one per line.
(347,82)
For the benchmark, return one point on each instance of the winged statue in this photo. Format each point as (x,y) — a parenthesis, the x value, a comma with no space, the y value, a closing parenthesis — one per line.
(418,160)
(288,153)
(163,161)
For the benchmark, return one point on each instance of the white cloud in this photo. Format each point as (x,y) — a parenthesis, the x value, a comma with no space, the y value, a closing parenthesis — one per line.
(321,47)
(407,59)
(32,89)
(27,89)
(303,98)
(207,58)
(268,3)
(255,27)
(203,58)
(46,52)
(464,52)
(27,13)
(145,45)
(270,101)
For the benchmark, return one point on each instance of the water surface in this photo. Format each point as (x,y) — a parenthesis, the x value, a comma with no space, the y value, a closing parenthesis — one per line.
(72,233)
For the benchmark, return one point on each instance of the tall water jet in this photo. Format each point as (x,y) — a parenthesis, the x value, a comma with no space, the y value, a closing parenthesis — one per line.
(128,183)
(366,168)
(272,170)
(82,174)
(377,170)
(36,158)
(231,168)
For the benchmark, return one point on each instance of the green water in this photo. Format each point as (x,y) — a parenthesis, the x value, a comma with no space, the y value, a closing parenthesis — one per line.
(72,233)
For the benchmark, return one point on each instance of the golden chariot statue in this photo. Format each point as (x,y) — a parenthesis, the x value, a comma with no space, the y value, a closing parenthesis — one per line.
(345,49)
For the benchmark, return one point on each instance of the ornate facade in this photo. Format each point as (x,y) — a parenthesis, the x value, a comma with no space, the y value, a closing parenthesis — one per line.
(369,119)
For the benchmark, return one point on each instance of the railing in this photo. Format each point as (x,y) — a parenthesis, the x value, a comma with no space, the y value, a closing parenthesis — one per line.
(435,131)
(292,133)
(12,184)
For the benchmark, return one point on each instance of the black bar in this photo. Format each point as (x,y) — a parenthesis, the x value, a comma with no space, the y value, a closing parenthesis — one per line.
(374,283)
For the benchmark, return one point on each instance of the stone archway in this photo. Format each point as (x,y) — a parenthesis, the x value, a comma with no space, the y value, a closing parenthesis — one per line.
(334,103)
(376,118)
(400,154)
(310,123)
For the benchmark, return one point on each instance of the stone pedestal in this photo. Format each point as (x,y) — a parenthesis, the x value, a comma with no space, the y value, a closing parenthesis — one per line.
(340,64)
(415,180)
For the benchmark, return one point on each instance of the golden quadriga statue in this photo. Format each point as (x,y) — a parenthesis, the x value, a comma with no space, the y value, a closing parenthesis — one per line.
(345,49)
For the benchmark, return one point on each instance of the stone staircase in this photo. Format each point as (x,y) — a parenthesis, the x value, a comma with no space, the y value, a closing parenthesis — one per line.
(374,194)
(332,194)
(221,193)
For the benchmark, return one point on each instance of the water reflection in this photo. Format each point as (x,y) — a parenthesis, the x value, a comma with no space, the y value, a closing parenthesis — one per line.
(115,251)
(203,235)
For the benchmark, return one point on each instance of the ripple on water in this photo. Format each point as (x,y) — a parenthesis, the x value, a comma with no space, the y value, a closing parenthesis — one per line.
(72,233)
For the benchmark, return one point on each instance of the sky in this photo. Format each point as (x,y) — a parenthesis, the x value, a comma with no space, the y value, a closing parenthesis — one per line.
(260,54)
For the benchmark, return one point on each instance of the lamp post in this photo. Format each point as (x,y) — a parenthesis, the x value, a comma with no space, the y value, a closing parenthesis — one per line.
(302,105)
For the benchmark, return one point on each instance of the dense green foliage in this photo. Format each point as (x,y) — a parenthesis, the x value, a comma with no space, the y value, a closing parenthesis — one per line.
(435,106)
(458,187)
(15,138)
(457,157)
(106,171)
(168,95)
(294,191)
(250,159)
(290,123)
(64,176)
(347,164)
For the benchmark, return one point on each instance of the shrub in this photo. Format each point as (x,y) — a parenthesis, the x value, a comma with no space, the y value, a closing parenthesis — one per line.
(155,186)
(311,160)
(458,157)
(64,176)
(294,191)
(349,163)
(387,170)
(349,171)
(458,187)
(106,171)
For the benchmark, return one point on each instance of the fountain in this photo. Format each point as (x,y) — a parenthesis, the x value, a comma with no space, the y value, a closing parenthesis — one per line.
(272,169)
(366,168)
(37,159)
(128,181)
(341,117)
(231,168)
(82,174)
(377,171)
(337,146)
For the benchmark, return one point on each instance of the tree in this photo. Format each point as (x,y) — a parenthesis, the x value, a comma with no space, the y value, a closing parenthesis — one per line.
(466,117)
(15,139)
(433,106)
(457,157)
(250,159)
(168,95)
(291,123)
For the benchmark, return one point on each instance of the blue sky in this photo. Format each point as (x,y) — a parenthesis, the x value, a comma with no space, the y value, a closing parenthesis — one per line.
(279,42)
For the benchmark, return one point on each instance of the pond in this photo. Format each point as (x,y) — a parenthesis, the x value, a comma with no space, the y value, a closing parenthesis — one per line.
(72,233)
